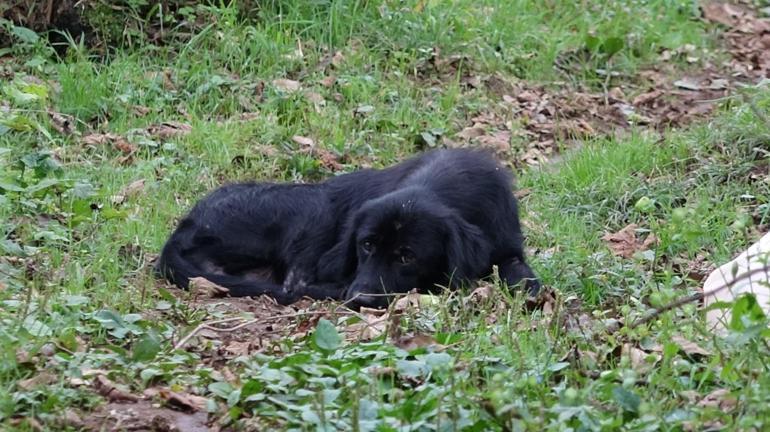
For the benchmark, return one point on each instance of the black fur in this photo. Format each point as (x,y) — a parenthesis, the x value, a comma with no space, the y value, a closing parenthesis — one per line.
(442,218)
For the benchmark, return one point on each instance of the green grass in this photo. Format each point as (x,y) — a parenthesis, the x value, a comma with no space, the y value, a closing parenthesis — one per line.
(78,294)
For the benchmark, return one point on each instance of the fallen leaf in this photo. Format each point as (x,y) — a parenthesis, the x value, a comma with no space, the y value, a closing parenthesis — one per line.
(338,59)
(202,287)
(328,81)
(688,84)
(381,371)
(645,98)
(287,85)
(132,189)
(110,390)
(117,141)
(481,293)
(719,84)
(625,244)
(41,379)
(689,347)
(63,123)
(415,341)
(169,129)
(471,132)
(640,360)
(409,302)
(363,109)
(373,324)
(185,401)
(719,12)
(719,398)
(315,98)
(238,348)
(140,110)
(303,141)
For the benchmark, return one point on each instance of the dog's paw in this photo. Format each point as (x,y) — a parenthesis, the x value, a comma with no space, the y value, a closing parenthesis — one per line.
(202,287)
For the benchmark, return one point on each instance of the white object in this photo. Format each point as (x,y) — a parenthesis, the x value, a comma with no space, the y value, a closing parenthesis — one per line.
(755,258)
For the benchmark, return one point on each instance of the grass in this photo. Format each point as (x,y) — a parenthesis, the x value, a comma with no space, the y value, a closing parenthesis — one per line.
(78,295)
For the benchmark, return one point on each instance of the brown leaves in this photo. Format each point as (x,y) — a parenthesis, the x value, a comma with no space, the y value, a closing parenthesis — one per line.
(169,129)
(130,190)
(625,243)
(748,37)
(688,347)
(328,159)
(178,400)
(117,141)
(64,124)
(287,85)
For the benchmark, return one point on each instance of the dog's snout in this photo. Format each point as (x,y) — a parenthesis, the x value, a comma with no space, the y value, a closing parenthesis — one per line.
(362,295)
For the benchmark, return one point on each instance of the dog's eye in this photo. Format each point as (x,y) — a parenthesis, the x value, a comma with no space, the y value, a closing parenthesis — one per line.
(405,256)
(367,246)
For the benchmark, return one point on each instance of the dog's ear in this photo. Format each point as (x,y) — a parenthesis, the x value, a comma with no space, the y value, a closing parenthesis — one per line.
(468,251)
(340,261)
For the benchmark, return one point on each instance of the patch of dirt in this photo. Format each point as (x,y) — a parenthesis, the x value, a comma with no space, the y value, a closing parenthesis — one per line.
(747,37)
(143,416)
(239,326)
(542,117)
(538,118)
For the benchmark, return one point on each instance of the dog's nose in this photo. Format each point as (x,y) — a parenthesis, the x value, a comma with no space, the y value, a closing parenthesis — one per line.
(357,298)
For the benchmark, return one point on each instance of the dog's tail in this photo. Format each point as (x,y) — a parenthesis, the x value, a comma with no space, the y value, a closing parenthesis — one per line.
(175,268)
(178,269)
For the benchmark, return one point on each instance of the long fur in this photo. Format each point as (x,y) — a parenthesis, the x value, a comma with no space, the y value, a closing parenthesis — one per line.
(441,218)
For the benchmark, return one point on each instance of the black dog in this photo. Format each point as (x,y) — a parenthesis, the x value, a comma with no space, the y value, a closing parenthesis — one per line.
(440,219)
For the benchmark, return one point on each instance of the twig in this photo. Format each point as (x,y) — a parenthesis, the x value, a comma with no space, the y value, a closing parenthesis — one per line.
(694,298)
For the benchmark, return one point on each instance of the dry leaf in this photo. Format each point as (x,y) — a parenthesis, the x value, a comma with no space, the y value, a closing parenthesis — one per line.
(238,348)
(132,189)
(303,141)
(689,347)
(688,84)
(315,98)
(645,98)
(471,132)
(202,287)
(413,342)
(338,59)
(328,81)
(287,85)
(185,401)
(409,302)
(117,141)
(719,398)
(169,129)
(624,242)
(719,12)
(63,123)
(481,293)
(373,324)
(41,379)
(639,358)
(110,390)
(140,110)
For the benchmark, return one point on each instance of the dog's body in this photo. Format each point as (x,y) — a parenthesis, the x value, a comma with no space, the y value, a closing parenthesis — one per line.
(442,218)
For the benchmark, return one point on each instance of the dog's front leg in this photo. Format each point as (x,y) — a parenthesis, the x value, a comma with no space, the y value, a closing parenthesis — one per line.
(297,285)
(516,272)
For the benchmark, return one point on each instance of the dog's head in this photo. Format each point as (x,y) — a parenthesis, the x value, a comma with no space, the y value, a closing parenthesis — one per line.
(409,239)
